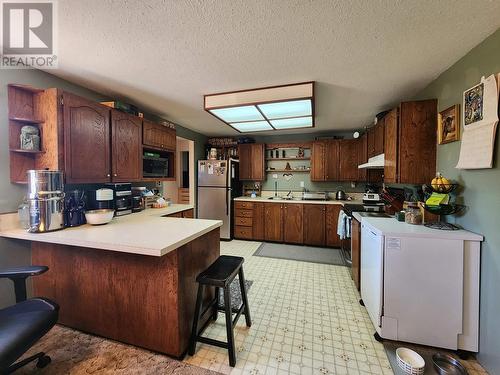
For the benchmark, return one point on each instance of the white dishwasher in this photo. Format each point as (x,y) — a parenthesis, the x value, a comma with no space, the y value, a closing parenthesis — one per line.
(421,285)
(372,272)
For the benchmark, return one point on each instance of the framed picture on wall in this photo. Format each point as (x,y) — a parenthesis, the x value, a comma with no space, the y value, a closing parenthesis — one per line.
(449,125)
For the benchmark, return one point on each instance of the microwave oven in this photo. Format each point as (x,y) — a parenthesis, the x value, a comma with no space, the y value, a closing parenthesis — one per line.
(155,166)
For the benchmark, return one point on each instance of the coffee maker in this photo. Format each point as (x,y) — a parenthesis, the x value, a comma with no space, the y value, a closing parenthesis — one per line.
(100,199)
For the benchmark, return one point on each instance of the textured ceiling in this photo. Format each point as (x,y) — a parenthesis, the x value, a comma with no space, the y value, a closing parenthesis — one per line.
(365,55)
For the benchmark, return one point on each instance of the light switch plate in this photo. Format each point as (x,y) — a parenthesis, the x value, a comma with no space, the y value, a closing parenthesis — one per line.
(302,184)
(275,175)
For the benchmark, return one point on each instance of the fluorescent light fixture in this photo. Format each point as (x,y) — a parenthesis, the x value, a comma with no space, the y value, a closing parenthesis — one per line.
(268,108)
(252,126)
(294,108)
(238,114)
(292,123)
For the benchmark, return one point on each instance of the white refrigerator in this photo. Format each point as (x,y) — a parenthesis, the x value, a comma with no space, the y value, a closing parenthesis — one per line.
(218,185)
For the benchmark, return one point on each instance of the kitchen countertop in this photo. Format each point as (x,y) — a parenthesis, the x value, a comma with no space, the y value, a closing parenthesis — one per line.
(144,233)
(391,227)
(265,199)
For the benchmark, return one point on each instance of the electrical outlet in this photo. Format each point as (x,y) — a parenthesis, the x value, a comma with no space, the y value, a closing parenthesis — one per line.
(275,175)
(302,184)
(158,183)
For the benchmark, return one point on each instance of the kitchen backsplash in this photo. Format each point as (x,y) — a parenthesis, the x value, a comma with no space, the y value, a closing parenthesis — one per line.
(294,184)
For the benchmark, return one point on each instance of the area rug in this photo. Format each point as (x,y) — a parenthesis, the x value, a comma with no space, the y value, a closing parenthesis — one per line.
(425,351)
(235,293)
(77,353)
(301,253)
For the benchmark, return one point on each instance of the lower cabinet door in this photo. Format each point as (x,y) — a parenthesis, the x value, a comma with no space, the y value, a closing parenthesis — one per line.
(356,252)
(293,223)
(258,222)
(332,219)
(314,224)
(273,222)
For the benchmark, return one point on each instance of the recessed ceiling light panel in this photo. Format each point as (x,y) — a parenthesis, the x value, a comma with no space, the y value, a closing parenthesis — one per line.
(254,126)
(293,108)
(292,123)
(268,108)
(238,114)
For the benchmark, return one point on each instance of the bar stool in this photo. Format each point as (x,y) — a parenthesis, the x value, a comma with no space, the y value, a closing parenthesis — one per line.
(220,275)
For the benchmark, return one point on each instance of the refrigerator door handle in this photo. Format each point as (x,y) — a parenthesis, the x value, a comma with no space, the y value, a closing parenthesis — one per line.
(227,201)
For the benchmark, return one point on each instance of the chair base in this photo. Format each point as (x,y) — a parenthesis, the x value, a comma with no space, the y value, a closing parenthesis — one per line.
(43,360)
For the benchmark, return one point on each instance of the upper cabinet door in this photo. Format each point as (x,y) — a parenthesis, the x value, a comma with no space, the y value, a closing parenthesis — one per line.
(251,161)
(318,161)
(379,137)
(391,147)
(126,147)
(258,162)
(417,142)
(331,162)
(245,155)
(169,138)
(349,157)
(362,156)
(371,142)
(86,140)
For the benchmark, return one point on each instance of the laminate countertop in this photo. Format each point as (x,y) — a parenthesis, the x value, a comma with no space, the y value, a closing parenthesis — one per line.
(143,233)
(267,200)
(390,227)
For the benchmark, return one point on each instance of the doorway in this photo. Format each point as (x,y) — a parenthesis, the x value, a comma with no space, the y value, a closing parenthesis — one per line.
(181,190)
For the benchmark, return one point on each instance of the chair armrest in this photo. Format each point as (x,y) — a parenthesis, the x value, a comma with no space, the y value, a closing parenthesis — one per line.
(22,272)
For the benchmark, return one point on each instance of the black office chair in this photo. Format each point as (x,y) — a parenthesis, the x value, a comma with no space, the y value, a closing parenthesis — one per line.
(24,323)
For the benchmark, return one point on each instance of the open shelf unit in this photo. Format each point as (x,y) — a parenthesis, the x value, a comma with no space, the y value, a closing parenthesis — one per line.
(294,154)
(23,102)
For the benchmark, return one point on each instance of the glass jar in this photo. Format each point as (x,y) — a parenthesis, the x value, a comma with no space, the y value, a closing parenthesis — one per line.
(413,215)
(23,212)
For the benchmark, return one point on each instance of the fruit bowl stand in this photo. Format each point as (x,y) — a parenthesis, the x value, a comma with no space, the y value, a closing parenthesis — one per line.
(443,209)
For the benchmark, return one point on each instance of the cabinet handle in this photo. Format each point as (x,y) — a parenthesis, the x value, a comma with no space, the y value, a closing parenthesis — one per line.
(108,175)
(115,175)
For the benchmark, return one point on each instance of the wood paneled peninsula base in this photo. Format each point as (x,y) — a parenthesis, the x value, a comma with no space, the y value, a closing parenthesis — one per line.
(143,300)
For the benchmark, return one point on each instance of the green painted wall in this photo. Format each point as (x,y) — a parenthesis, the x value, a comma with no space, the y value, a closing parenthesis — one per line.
(13,253)
(481,189)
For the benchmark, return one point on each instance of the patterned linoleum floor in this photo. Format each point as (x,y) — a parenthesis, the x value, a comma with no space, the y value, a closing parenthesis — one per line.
(306,320)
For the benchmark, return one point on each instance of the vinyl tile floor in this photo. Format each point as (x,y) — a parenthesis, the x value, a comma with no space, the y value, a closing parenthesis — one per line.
(306,319)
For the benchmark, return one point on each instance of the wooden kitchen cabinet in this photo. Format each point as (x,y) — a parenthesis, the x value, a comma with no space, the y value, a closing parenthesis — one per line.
(375,139)
(293,223)
(356,252)
(349,160)
(314,224)
(258,233)
(362,156)
(158,136)
(325,160)
(126,147)
(252,160)
(410,143)
(332,219)
(86,140)
(379,137)
(273,222)
(318,150)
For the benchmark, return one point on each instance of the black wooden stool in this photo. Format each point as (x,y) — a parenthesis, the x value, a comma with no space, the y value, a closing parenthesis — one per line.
(220,275)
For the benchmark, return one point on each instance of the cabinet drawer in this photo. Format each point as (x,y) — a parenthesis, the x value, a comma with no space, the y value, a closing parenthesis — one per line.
(243,221)
(243,213)
(243,232)
(244,205)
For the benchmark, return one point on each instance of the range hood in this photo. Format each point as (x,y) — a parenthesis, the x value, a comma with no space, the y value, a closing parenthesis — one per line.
(375,162)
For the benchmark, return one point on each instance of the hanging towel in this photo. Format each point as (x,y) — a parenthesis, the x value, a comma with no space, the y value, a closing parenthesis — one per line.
(344,225)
